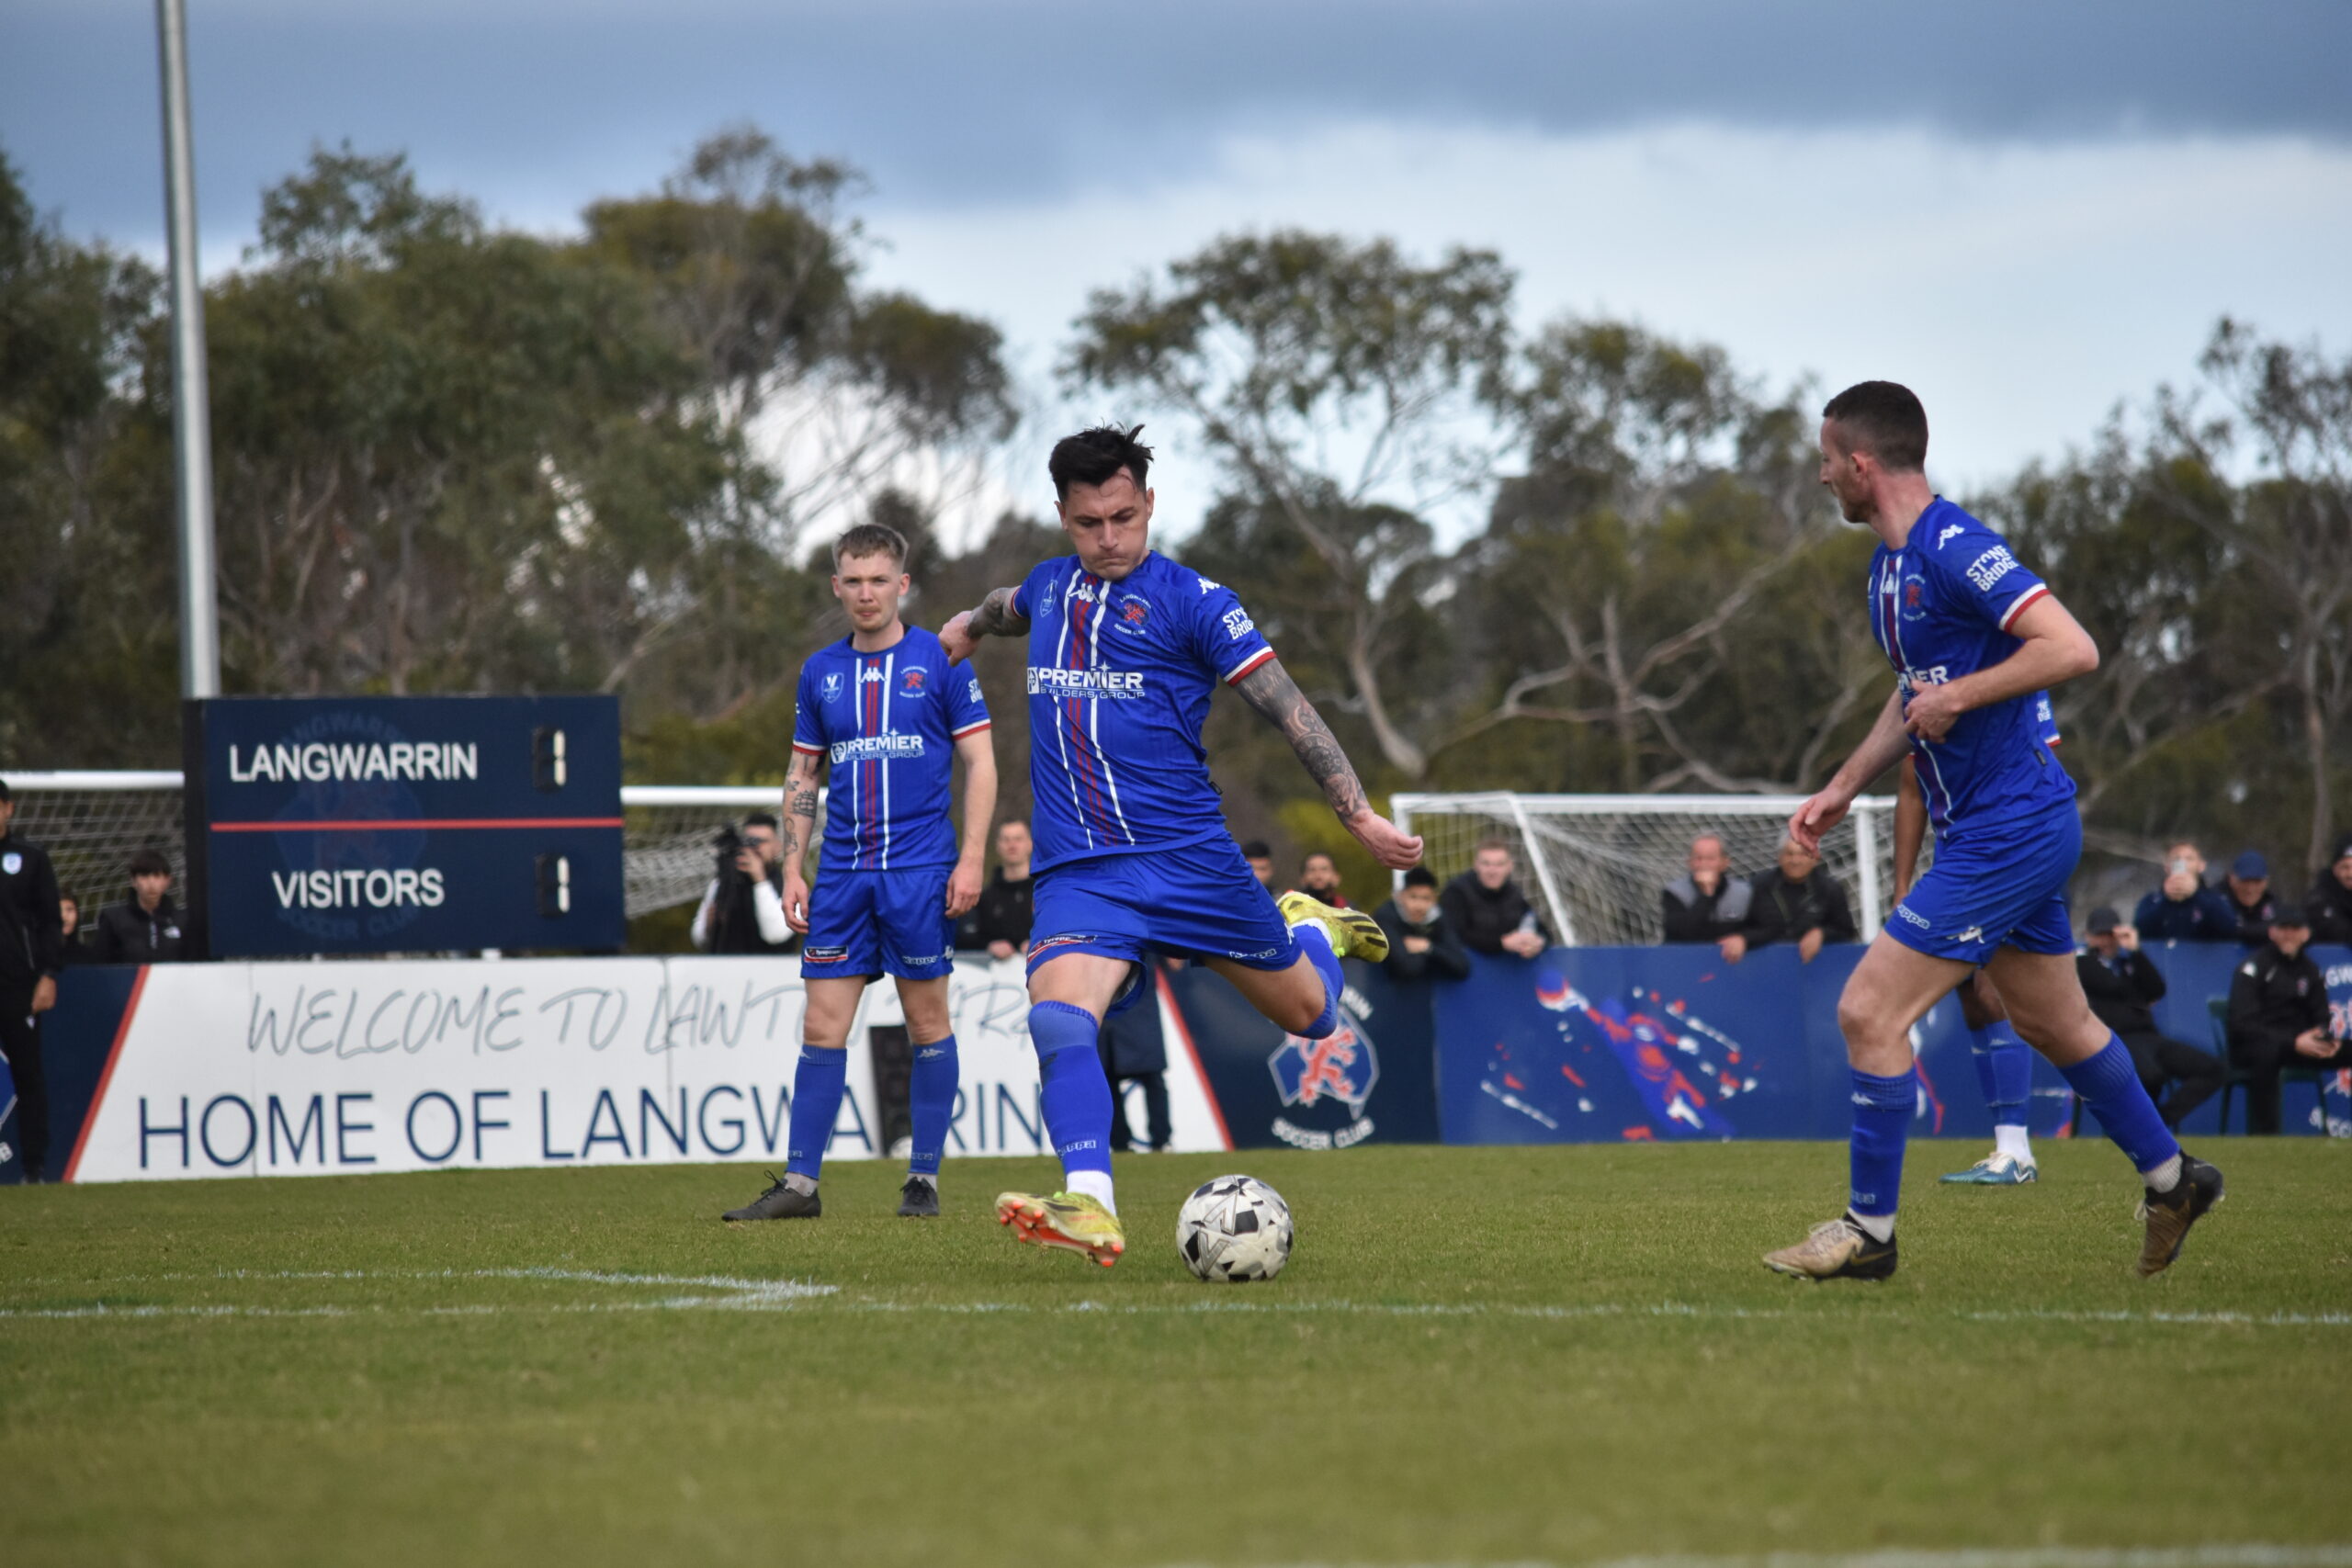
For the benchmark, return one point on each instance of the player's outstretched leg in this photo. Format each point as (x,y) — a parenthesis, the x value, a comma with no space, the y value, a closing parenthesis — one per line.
(2045,999)
(1076,1099)
(817,1087)
(1890,990)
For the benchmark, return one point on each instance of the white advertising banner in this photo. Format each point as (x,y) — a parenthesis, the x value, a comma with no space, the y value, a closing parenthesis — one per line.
(299,1069)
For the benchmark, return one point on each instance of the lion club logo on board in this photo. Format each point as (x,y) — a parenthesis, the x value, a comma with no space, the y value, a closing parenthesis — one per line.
(1326,1084)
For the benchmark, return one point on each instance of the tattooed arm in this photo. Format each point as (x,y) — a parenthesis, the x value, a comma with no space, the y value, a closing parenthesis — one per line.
(798,835)
(995,617)
(1272,693)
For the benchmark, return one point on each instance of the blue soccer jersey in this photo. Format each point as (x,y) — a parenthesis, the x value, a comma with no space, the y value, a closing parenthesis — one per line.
(1120,676)
(889,723)
(1941,608)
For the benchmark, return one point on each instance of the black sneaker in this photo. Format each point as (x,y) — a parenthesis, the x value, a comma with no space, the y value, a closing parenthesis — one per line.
(778,1203)
(1836,1250)
(2169,1215)
(919,1198)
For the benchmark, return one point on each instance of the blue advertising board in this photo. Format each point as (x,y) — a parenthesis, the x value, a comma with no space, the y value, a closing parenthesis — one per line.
(345,825)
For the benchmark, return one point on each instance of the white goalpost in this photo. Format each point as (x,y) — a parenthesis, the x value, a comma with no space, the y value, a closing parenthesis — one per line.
(1598,861)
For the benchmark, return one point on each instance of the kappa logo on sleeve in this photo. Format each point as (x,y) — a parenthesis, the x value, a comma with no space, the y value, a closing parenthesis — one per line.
(1991,567)
(1949,529)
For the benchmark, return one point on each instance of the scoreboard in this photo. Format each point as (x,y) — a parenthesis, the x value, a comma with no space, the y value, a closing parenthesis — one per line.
(349,825)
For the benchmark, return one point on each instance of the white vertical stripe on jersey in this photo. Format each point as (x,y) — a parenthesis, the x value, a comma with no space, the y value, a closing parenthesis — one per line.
(1061,732)
(857,770)
(890,668)
(1094,719)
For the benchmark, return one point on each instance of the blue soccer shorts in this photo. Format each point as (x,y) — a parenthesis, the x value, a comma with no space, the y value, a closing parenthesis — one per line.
(1194,901)
(2000,885)
(863,923)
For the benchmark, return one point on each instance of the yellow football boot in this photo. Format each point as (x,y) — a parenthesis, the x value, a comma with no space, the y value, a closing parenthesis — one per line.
(1353,934)
(1073,1222)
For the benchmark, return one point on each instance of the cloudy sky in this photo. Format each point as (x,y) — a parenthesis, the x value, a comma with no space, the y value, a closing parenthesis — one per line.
(2028,211)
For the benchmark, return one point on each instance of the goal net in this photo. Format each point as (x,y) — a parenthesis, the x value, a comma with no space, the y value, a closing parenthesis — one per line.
(92,823)
(1597,862)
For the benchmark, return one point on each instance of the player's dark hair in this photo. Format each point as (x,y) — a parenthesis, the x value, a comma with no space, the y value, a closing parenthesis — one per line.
(1421,877)
(1257,849)
(67,895)
(6,794)
(767,818)
(1884,419)
(1092,457)
(1502,844)
(149,863)
(870,539)
(1313,855)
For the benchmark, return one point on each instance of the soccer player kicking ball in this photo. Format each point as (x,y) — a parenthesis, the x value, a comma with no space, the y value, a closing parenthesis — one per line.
(2004,1063)
(1126,647)
(1974,638)
(885,708)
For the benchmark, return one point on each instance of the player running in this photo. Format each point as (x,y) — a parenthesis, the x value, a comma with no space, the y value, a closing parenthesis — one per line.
(1974,638)
(1126,647)
(885,708)
(2004,1063)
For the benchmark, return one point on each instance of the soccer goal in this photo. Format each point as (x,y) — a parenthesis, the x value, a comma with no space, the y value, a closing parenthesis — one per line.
(1597,862)
(92,823)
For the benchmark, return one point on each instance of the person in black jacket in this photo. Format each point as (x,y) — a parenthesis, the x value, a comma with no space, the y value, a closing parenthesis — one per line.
(1422,942)
(72,948)
(145,927)
(2278,1017)
(30,937)
(999,924)
(1798,901)
(2121,981)
(2247,887)
(2331,901)
(1709,905)
(1487,910)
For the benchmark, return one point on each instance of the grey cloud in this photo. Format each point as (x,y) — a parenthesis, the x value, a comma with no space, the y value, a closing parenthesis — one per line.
(531,105)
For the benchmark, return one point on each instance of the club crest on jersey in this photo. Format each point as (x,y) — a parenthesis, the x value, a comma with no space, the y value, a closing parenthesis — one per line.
(832,686)
(1134,611)
(12,862)
(911,680)
(1915,598)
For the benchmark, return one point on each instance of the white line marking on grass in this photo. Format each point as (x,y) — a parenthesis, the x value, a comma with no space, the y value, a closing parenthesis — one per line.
(2246,1556)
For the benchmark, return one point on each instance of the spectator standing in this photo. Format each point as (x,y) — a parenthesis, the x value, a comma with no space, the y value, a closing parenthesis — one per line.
(72,950)
(1318,877)
(1708,905)
(2247,887)
(30,935)
(1487,910)
(2278,1016)
(2121,983)
(1798,901)
(1421,941)
(1134,1051)
(743,910)
(999,924)
(2183,909)
(2331,901)
(145,927)
(1261,856)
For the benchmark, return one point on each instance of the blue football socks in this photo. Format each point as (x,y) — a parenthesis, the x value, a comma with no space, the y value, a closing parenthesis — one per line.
(2111,1085)
(1317,943)
(1076,1094)
(815,1102)
(1882,1113)
(2004,1071)
(930,1099)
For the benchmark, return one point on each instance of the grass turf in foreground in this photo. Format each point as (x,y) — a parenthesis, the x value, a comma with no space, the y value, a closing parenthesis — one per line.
(1569,1354)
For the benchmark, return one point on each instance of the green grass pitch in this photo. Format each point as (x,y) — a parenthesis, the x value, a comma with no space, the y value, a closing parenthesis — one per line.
(1564,1355)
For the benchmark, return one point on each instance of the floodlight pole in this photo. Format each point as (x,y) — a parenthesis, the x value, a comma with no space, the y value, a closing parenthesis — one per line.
(191,398)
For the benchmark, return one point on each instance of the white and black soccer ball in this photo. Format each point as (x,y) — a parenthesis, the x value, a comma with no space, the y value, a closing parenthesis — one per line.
(1234,1228)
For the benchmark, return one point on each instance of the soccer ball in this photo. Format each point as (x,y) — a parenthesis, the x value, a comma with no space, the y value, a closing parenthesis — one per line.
(1234,1228)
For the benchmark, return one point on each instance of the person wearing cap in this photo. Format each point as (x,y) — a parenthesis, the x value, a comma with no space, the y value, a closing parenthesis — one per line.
(2278,1016)
(2247,887)
(2331,901)
(2183,909)
(2121,983)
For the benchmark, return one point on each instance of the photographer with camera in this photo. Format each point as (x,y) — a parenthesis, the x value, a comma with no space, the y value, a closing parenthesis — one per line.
(743,909)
